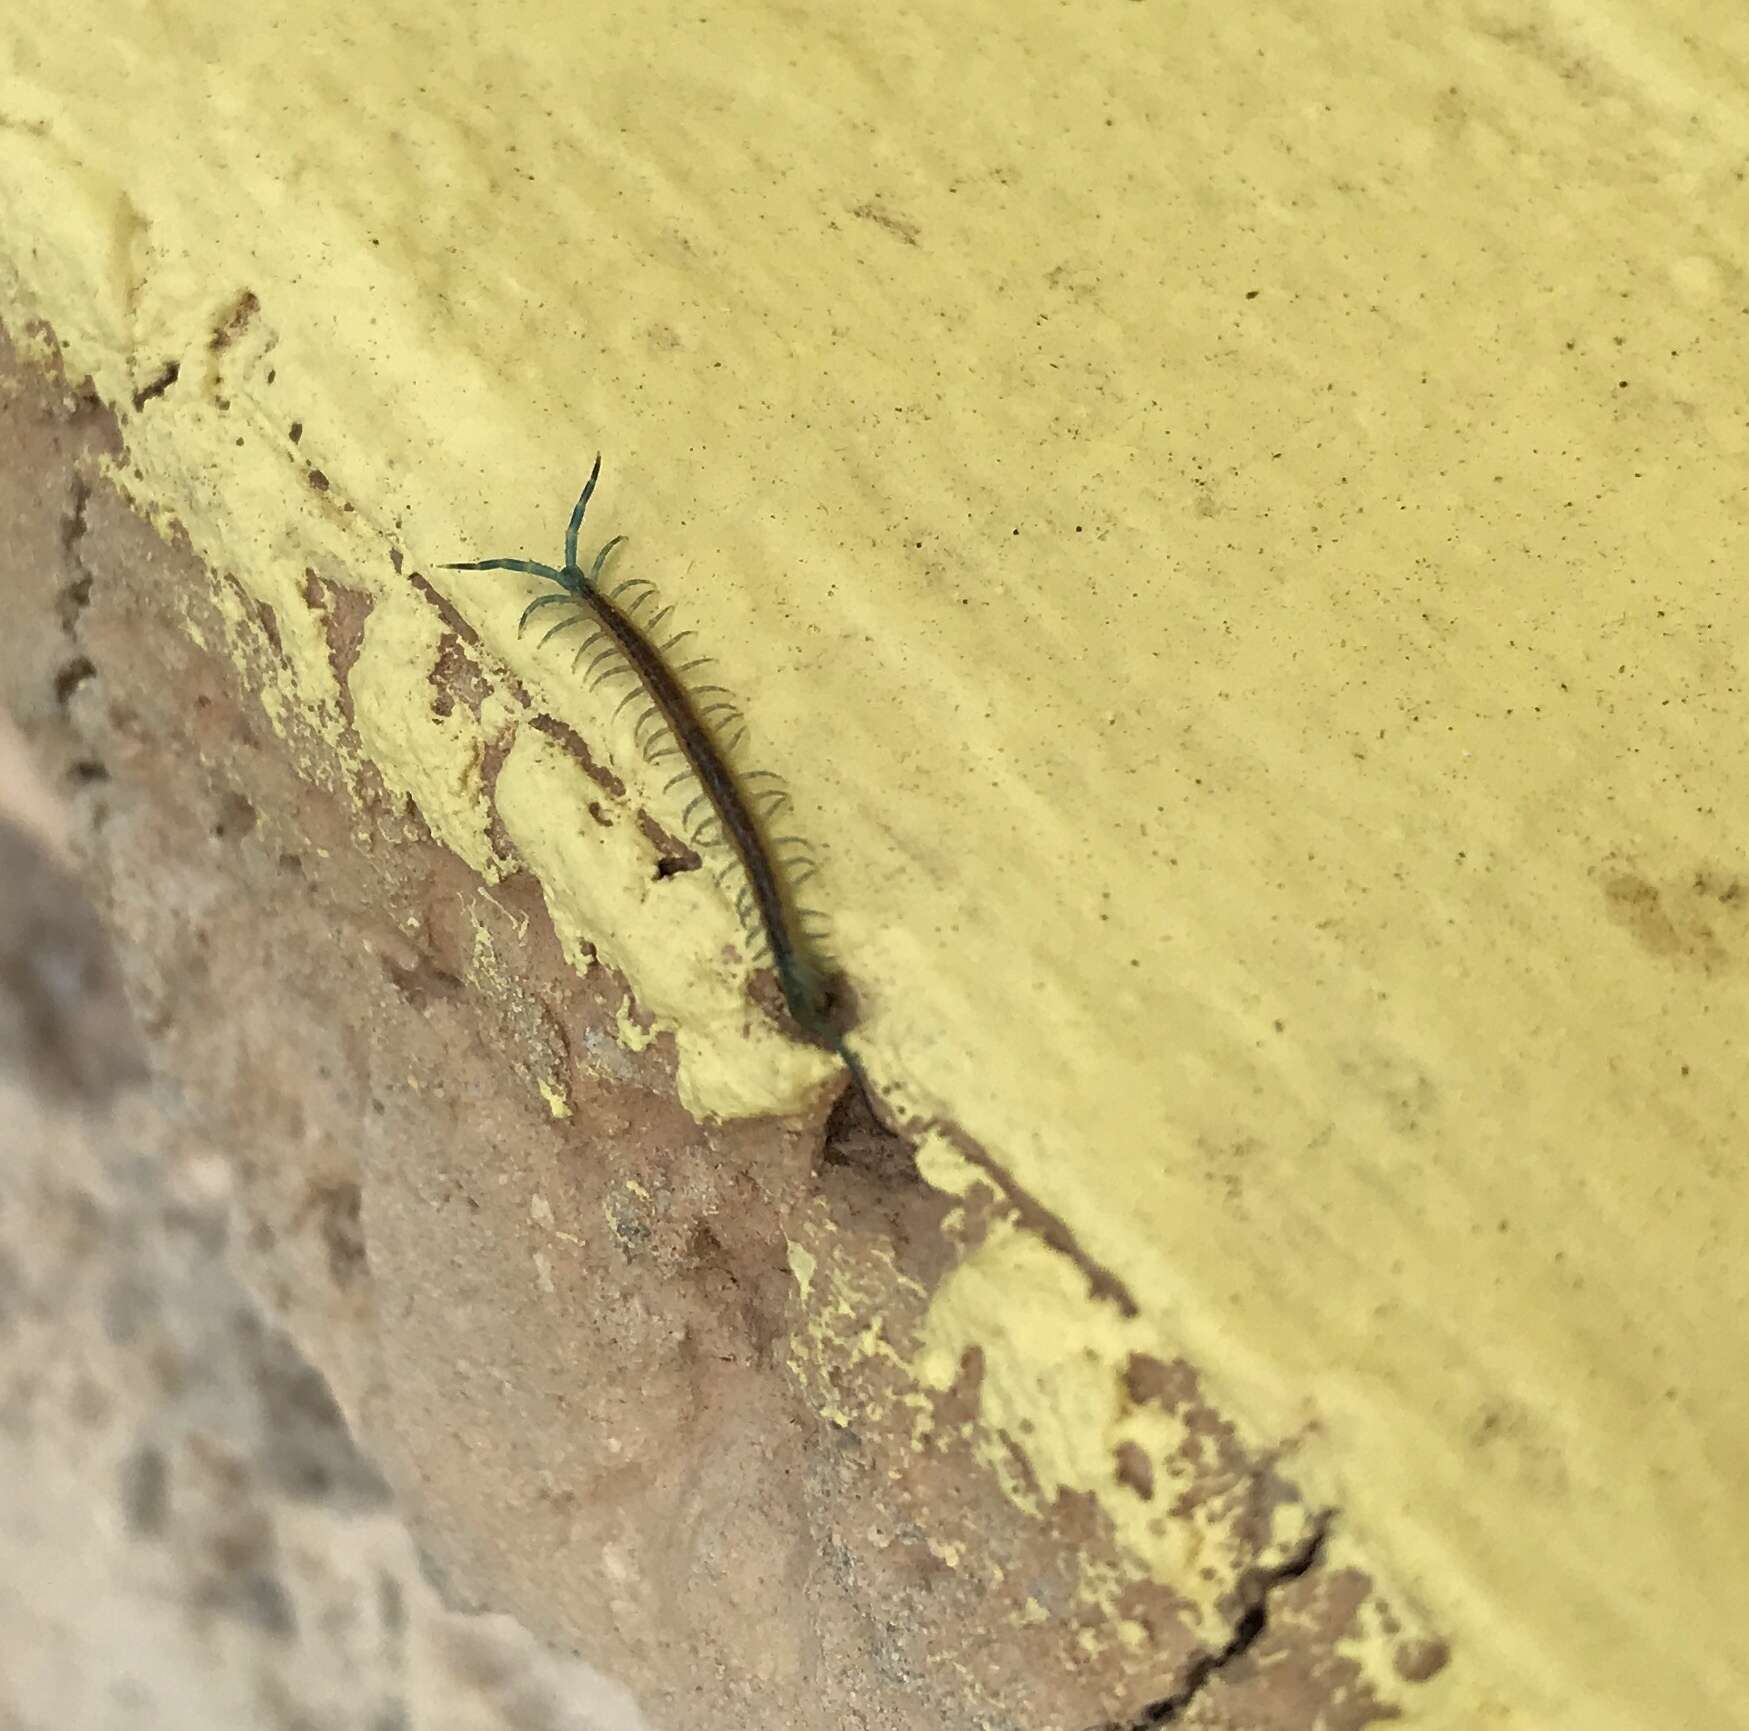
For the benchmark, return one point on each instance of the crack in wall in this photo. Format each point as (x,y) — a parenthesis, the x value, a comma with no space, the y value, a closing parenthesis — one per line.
(73,525)
(1028,1211)
(1036,1218)
(1253,1623)
(72,675)
(75,596)
(78,670)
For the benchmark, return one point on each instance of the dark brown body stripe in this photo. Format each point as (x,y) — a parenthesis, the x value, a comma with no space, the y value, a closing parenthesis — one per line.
(718,782)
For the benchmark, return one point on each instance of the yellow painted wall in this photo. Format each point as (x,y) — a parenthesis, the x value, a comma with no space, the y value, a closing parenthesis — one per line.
(1232,522)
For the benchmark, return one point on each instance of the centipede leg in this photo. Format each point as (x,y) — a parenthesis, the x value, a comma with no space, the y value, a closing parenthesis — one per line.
(538,603)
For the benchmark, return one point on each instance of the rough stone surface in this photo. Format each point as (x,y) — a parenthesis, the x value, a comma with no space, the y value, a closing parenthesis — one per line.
(569,1340)
(189,1536)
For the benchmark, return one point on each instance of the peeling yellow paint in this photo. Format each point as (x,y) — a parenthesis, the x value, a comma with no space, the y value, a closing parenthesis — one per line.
(431,759)
(802,1264)
(1256,614)
(483,956)
(520,921)
(633,1036)
(842,1327)
(1054,1362)
(952,1555)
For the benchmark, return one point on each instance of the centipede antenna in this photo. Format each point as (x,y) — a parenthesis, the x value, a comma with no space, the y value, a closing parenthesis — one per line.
(528,567)
(577,511)
(537,604)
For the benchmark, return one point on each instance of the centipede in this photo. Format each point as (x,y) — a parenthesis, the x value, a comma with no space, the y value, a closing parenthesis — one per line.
(682,720)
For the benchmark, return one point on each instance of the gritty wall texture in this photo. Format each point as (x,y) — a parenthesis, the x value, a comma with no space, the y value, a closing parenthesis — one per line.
(189,1536)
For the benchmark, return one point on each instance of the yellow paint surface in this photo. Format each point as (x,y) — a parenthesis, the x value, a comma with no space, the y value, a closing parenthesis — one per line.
(1233,525)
